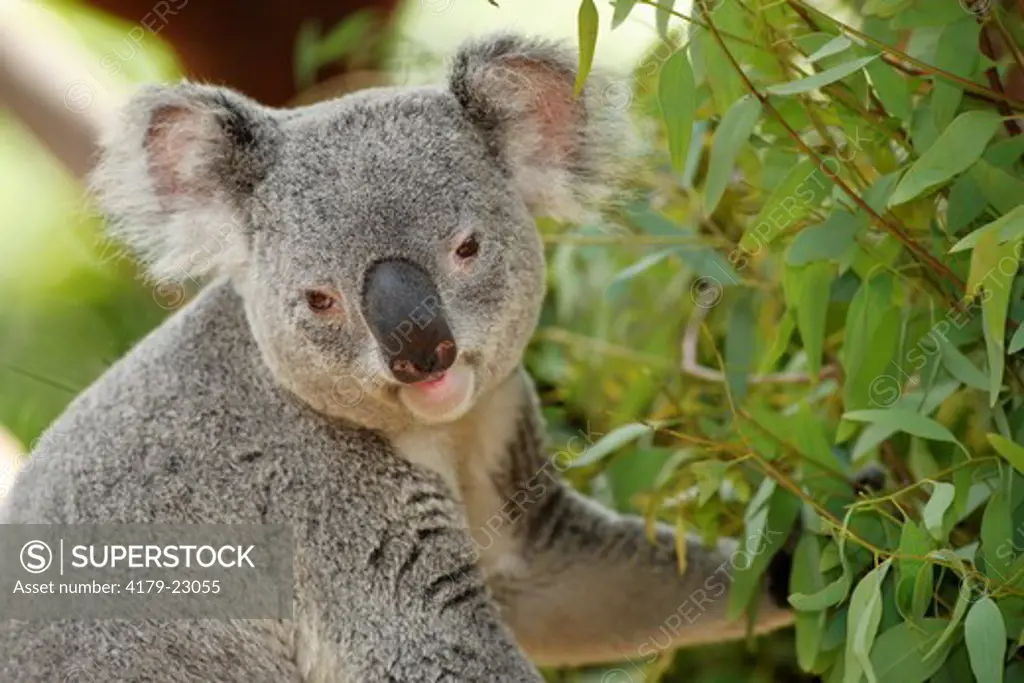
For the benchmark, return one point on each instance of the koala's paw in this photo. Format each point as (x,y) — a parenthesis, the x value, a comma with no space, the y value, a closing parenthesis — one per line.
(870,479)
(777,576)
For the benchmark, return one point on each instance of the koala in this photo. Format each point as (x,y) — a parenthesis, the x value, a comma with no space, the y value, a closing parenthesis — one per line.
(353,368)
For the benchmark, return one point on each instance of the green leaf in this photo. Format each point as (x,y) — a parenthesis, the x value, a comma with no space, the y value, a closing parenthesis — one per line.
(806,578)
(587,21)
(635,473)
(767,528)
(892,89)
(914,586)
(872,336)
(1014,453)
(863,620)
(730,137)
(956,52)
(960,366)
(306,57)
(1017,342)
(779,344)
(812,308)
(621,11)
(803,188)
(922,402)
(832,594)
(662,15)
(985,633)
(904,420)
(963,600)
(966,202)
(1005,153)
(959,146)
(723,81)
(994,266)
(1008,227)
(710,474)
(924,13)
(935,510)
(611,442)
(996,535)
(827,241)
(832,47)
(676,95)
(638,268)
(886,8)
(740,347)
(997,187)
(898,654)
(820,79)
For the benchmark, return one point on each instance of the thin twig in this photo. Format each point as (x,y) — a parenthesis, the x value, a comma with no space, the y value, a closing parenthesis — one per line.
(692,367)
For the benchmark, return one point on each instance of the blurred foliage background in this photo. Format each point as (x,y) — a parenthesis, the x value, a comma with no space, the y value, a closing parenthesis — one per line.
(813,268)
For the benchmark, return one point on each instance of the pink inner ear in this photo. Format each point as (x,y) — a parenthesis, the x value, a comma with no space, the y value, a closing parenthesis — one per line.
(544,95)
(174,145)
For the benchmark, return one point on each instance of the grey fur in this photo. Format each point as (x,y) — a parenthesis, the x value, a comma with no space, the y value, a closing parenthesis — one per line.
(247,407)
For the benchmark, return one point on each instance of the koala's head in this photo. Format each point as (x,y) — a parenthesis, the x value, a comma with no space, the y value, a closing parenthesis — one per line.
(383,243)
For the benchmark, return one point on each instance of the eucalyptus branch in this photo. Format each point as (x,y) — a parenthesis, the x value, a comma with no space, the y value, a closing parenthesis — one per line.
(894,229)
(926,69)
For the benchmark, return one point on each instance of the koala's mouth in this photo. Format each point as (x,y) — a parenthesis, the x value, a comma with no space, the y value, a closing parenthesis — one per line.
(443,397)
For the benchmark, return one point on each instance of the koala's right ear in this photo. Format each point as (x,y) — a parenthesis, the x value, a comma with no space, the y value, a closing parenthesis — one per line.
(177,173)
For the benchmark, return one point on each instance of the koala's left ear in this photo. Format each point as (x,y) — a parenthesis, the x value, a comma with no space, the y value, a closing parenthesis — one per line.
(560,150)
(177,174)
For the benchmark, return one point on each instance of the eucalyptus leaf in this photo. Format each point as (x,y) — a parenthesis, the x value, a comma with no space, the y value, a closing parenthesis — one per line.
(662,16)
(806,577)
(676,95)
(1017,341)
(935,510)
(826,241)
(905,420)
(957,147)
(621,11)
(1013,452)
(832,47)
(994,267)
(611,442)
(863,620)
(898,652)
(892,89)
(730,137)
(820,79)
(985,633)
(586,22)
(802,188)
(1008,227)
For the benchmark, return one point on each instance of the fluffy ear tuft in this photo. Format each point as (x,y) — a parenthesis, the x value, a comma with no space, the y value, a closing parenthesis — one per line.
(562,151)
(177,173)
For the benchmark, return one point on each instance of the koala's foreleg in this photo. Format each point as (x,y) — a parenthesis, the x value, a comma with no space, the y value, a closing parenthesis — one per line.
(587,585)
(596,589)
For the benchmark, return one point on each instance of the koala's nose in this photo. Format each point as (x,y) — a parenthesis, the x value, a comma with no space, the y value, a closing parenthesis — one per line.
(404,312)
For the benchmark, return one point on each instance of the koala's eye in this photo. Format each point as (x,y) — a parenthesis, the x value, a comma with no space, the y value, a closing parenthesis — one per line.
(320,301)
(469,247)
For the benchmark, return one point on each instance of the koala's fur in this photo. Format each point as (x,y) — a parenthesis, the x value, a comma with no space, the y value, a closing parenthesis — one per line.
(245,407)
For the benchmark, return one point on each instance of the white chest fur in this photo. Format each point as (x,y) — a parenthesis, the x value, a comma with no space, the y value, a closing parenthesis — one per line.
(467,454)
